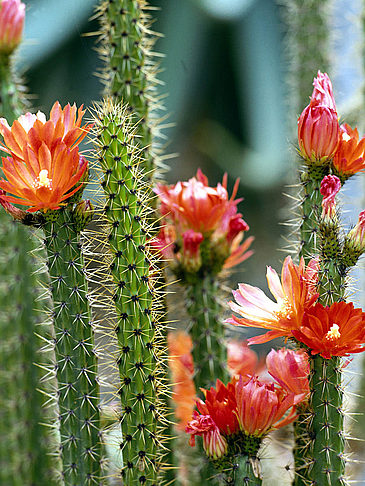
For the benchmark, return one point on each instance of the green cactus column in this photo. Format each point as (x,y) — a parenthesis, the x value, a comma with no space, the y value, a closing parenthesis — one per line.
(133,271)
(129,74)
(27,444)
(74,348)
(207,332)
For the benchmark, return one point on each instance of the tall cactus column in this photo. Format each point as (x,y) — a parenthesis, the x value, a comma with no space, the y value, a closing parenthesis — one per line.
(74,347)
(133,274)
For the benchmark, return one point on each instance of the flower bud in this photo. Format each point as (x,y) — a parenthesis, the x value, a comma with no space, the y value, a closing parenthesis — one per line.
(318,128)
(12,13)
(191,244)
(83,214)
(330,186)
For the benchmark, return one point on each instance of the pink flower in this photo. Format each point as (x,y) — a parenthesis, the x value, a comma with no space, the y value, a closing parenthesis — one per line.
(215,445)
(330,187)
(12,14)
(242,360)
(261,407)
(294,294)
(291,370)
(318,128)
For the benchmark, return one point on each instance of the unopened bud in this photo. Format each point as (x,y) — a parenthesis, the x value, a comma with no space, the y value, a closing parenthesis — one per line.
(12,13)
(83,214)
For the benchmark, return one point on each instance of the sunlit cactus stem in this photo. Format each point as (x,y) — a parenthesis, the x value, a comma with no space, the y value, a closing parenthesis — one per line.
(74,348)
(129,68)
(133,271)
(207,332)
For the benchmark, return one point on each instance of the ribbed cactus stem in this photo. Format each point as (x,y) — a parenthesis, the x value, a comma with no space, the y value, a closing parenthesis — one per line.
(247,471)
(11,101)
(134,274)
(308,24)
(129,68)
(74,348)
(326,428)
(310,210)
(207,332)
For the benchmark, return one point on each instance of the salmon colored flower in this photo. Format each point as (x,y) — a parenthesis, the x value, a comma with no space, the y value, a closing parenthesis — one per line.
(182,370)
(197,206)
(291,370)
(44,165)
(349,157)
(242,360)
(294,294)
(318,128)
(330,186)
(337,330)
(200,214)
(12,14)
(261,407)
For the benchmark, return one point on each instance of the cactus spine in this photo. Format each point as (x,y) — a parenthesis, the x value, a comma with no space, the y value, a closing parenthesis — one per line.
(76,360)
(209,351)
(27,447)
(133,273)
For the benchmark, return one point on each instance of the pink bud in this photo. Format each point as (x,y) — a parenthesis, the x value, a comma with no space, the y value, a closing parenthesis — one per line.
(357,234)
(236,226)
(318,128)
(16,213)
(330,186)
(12,13)
(191,254)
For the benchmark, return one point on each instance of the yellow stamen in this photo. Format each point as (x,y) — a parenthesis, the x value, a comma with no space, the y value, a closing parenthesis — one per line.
(43,180)
(345,137)
(333,333)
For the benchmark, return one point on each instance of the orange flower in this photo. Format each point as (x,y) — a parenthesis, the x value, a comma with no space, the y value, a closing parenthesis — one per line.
(262,406)
(291,370)
(294,294)
(45,181)
(44,164)
(349,157)
(30,131)
(182,371)
(333,331)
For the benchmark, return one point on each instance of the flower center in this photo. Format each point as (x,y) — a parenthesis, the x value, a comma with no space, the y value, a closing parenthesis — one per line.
(333,333)
(43,180)
(285,311)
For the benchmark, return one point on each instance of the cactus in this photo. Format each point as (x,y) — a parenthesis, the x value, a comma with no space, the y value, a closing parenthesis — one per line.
(209,351)
(74,349)
(26,458)
(133,272)
(129,74)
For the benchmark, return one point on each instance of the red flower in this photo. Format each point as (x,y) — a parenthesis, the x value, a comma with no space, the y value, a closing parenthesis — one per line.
(12,14)
(333,331)
(294,294)
(215,445)
(219,404)
(291,370)
(261,407)
(349,157)
(318,129)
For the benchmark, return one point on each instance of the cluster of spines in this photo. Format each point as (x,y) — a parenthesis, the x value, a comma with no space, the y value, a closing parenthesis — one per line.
(76,363)
(130,70)
(133,271)
(207,332)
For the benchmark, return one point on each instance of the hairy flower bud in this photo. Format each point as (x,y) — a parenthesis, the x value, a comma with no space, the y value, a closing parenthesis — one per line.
(12,13)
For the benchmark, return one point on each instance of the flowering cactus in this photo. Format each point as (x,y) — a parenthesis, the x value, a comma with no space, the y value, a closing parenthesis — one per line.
(43,171)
